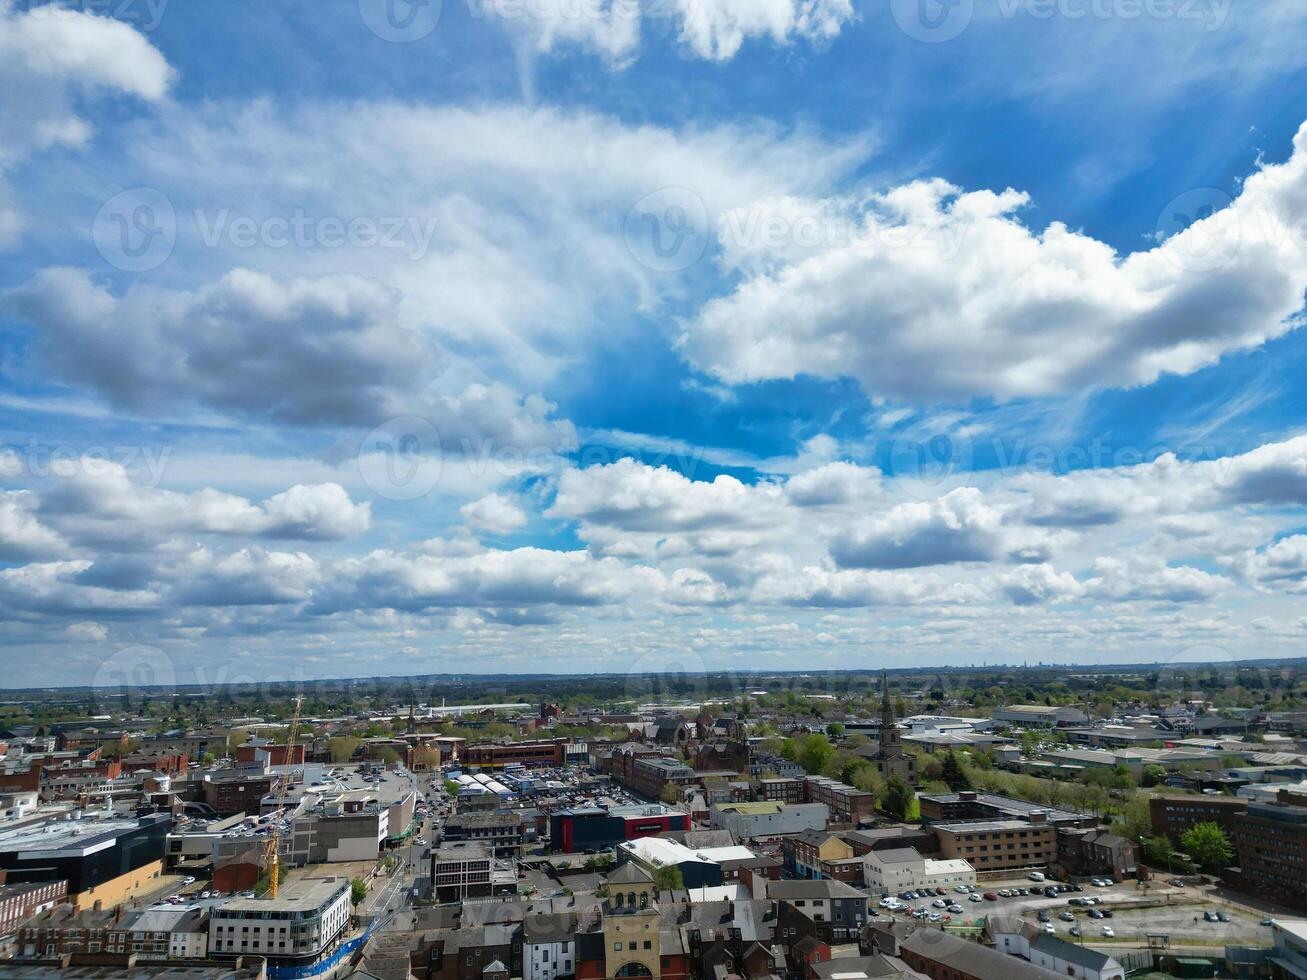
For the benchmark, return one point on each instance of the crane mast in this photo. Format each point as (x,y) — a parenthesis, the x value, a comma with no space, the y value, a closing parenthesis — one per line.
(273,856)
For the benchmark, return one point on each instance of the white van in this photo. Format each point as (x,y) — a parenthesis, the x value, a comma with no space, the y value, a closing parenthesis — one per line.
(1036,876)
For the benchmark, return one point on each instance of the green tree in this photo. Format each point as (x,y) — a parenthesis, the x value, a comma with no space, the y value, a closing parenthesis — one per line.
(1159,851)
(868,780)
(667,878)
(954,774)
(358,890)
(1136,819)
(1153,776)
(850,769)
(898,798)
(815,753)
(669,795)
(834,731)
(1207,844)
(342,747)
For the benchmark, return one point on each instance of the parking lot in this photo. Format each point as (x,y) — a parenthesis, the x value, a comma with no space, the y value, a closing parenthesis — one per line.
(1132,913)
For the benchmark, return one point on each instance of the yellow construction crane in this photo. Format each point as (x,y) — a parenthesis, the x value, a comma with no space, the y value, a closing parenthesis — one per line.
(273,858)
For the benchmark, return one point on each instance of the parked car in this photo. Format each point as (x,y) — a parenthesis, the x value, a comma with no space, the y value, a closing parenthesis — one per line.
(991,897)
(1048,928)
(1095,914)
(1105,913)
(1108,932)
(974,897)
(1222,917)
(962,889)
(1043,915)
(939,903)
(955,908)
(1066,916)
(934,917)
(1074,931)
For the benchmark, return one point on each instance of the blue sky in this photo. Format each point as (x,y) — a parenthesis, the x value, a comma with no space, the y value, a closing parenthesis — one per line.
(372,337)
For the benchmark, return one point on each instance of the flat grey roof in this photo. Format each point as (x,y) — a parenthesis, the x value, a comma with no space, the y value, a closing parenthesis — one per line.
(297,896)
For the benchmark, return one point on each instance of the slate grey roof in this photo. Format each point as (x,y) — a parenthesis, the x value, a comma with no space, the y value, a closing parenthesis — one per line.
(815,888)
(1090,959)
(971,958)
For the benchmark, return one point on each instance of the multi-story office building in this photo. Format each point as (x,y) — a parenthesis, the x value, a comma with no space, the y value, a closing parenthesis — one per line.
(231,791)
(352,830)
(650,776)
(297,926)
(461,871)
(499,831)
(970,805)
(847,803)
(999,845)
(1271,840)
(781,789)
(1172,816)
